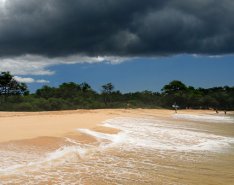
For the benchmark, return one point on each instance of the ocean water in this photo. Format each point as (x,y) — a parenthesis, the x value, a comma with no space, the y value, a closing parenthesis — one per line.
(183,149)
(206,118)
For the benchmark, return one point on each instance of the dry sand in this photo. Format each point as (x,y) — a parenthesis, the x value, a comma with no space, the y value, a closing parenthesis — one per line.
(28,125)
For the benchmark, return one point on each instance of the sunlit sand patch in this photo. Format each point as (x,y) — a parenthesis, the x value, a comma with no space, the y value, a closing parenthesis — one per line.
(80,138)
(106,130)
(40,143)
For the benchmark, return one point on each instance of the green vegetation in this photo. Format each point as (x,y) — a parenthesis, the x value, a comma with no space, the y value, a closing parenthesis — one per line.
(14,96)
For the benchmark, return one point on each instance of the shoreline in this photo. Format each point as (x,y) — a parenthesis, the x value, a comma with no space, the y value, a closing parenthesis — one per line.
(29,125)
(53,147)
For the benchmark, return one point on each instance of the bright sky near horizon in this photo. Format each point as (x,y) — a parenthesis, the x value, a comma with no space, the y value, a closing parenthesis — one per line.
(135,44)
(147,74)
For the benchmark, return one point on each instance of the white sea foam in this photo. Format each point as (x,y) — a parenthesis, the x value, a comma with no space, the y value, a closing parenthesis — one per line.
(29,161)
(15,158)
(156,134)
(135,155)
(135,134)
(205,118)
(115,138)
(72,141)
(61,152)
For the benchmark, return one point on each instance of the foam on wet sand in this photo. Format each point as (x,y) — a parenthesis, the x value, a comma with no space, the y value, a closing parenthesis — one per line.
(132,149)
(206,118)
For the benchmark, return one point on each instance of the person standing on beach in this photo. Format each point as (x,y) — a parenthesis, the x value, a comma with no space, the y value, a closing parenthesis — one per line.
(175,107)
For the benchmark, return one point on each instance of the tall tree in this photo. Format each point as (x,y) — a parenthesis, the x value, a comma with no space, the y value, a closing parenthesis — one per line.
(174,87)
(68,90)
(85,87)
(9,86)
(107,89)
(175,93)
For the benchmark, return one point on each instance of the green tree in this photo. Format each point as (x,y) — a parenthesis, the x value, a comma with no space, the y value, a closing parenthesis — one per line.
(174,87)
(85,87)
(175,92)
(107,89)
(68,90)
(46,92)
(9,86)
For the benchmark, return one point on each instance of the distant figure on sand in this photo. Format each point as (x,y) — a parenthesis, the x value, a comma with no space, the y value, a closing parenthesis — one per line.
(225,112)
(216,110)
(175,107)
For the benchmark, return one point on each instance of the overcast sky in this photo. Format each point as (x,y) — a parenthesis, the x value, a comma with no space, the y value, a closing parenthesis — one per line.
(38,38)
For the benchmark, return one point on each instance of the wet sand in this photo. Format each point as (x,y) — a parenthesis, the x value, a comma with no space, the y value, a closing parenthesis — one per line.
(123,146)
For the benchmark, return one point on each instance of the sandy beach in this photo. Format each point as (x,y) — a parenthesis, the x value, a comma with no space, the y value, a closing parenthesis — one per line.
(28,125)
(117,146)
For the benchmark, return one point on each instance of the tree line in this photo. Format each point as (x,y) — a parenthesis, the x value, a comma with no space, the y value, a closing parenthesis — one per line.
(15,96)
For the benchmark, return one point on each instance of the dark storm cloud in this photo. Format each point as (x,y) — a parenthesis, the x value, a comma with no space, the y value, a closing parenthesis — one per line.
(116,27)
